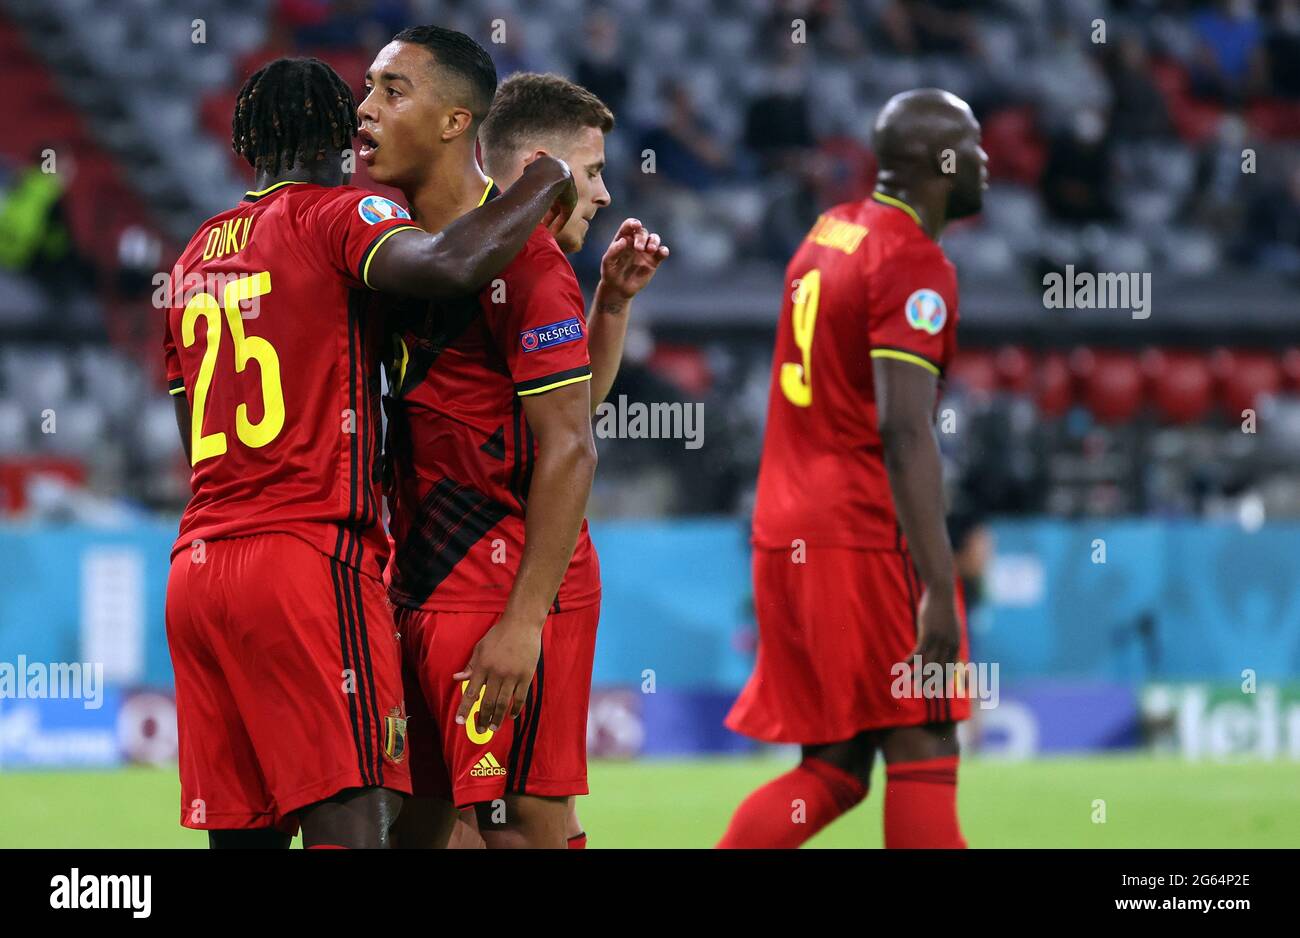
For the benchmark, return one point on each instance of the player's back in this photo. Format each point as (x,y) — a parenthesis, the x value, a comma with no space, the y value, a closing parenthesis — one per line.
(268,338)
(866,283)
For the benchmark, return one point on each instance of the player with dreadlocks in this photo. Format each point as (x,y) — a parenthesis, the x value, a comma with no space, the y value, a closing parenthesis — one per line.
(288,686)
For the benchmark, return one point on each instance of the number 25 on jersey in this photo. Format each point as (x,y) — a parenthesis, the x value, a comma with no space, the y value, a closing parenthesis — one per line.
(796,377)
(247,348)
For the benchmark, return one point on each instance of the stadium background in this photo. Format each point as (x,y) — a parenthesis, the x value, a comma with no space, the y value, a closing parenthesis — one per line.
(1125,489)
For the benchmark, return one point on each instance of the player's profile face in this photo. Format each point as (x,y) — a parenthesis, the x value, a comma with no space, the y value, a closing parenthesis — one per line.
(972,177)
(585,154)
(396,117)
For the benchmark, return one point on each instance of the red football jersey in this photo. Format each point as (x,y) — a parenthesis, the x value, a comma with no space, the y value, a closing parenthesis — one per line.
(866,283)
(459,447)
(267,337)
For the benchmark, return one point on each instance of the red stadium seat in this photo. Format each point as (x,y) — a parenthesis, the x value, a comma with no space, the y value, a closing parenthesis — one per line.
(1291,370)
(1016,150)
(686,366)
(1015,369)
(1245,375)
(1112,383)
(1182,385)
(1054,385)
(974,370)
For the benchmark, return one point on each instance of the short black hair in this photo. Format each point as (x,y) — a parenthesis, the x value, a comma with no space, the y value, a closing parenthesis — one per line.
(291,111)
(463,57)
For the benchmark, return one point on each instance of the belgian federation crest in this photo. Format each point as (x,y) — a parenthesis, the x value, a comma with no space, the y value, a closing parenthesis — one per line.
(926,311)
(395,735)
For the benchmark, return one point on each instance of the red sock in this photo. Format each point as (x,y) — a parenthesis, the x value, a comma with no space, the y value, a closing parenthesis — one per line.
(578,841)
(788,810)
(327,847)
(921,805)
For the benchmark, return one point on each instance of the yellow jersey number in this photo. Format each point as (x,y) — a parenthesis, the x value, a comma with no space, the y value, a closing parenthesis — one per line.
(796,377)
(247,348)
(471,725)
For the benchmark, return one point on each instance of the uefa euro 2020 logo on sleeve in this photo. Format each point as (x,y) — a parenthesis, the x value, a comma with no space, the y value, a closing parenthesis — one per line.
(375,208)
(926,311)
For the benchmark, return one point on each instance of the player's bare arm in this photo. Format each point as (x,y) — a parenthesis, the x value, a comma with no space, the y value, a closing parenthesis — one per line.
(505,659)
(905,396)
(476,247)
(630,262)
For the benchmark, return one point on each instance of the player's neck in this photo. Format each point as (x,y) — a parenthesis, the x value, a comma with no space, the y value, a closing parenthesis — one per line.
(448,192)
(317,175)
(930,215)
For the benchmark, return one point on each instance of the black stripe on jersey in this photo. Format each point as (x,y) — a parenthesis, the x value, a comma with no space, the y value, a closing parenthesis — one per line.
(517,742)
(359,468)
(530,451)
(451,519)
(915,354)
(370,678)
(176,384)
(532,384)
(496,444)
(533,724)
(361,677)
(517,463)
(335,567)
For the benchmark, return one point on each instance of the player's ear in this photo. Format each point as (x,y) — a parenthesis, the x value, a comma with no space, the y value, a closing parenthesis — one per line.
(457,121)
(536,154)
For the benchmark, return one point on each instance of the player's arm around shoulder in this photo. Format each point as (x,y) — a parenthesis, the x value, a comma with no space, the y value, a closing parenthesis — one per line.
(477,246)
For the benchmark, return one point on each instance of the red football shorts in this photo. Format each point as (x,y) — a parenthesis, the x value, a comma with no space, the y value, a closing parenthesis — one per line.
(830,631)
(288,681)
(543,752)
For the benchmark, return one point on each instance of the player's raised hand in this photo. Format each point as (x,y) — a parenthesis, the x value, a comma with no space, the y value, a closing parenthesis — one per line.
(503,662)
(938,632)
(631,260)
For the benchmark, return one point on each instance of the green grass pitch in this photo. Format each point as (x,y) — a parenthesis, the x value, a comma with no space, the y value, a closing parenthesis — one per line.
(1149,802)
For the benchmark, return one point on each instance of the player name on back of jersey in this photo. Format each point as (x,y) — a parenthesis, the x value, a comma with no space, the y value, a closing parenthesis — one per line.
(836,233)
(227,237)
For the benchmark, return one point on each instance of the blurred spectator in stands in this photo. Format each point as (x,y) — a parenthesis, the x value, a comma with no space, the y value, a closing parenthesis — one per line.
(929,27)
(1068,78)
(829,26)
(1076,182)
(777,124)
(1283,49)
(1229,64)
(37,241)
(327,24)
(1139,108)
(1272,235)
(687,150)
(1221,190)
(600,66)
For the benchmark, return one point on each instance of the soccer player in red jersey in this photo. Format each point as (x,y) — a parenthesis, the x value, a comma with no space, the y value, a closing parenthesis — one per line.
(288,683)
(535,115)
(853,572)
(495,579)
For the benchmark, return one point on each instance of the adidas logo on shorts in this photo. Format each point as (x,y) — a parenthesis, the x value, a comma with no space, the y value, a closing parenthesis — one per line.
(487,766)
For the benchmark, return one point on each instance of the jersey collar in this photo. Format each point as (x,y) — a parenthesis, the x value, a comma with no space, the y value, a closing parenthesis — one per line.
(897,203)
(252,196)
(490,191)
